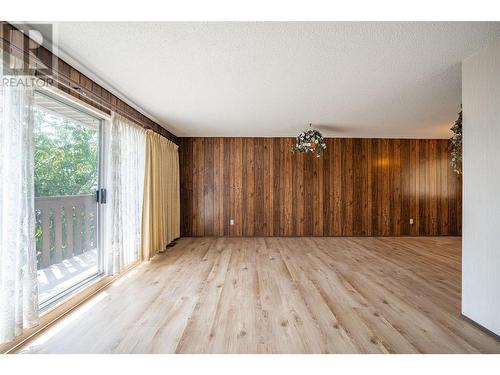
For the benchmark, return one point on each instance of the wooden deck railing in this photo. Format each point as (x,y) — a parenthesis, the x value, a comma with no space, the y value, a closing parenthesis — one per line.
(67,226)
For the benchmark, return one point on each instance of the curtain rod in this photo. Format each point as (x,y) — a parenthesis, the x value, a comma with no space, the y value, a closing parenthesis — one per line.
(88,95)
(100,103)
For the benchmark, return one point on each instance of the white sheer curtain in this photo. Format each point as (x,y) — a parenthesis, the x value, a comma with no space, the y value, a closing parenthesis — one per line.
(18,274)
(125,185)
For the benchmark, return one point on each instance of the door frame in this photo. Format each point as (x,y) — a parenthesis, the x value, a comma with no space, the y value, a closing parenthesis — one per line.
(103,118)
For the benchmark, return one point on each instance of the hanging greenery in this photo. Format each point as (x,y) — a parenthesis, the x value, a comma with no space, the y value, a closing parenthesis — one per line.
(456,145)
(310,140)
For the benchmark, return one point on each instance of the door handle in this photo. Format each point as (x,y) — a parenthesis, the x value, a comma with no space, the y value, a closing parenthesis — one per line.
(103,196)
(100,196)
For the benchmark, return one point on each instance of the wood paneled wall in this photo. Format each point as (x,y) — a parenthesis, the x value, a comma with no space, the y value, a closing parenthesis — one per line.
(359,187)
(69,80)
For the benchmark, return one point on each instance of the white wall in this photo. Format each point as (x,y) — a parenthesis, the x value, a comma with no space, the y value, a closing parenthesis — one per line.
(481,184)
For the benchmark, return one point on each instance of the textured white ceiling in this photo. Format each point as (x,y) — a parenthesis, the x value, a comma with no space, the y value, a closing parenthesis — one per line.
(356,79)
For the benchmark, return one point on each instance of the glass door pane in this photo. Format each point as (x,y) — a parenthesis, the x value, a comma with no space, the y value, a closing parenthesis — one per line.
(66,178)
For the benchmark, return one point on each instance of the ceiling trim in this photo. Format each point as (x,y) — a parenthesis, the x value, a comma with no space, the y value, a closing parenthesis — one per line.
(60,53)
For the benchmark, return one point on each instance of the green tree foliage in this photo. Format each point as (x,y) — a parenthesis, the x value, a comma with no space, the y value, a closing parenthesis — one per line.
(66,155)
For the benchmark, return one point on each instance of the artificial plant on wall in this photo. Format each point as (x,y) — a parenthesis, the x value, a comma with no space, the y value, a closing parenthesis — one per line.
(456,145)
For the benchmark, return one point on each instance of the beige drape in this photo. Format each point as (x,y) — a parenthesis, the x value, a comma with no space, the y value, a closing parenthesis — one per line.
(161,208)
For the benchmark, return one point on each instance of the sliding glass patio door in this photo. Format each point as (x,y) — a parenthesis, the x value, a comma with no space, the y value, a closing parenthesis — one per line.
(67,175)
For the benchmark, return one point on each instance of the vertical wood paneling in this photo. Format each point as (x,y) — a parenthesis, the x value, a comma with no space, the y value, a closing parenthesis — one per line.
(287,186)
(395,186)
(376,188)
(336,186)
(347,188)
(258,199)
(405,187)
(198,206)
(228,188)
(359,187)
(366,187)
(218,187)
(71,81)
(249,176)
(414,187)
(277,209)
(268,186)
(236,204)
(423,205)
(208,187)
(327,190)
(443,188)
(432,185)
(318,196)
(298,194)
(385,195)
(309,195)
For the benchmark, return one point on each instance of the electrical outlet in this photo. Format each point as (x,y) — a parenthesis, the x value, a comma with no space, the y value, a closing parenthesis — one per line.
(231,222)
(411,221)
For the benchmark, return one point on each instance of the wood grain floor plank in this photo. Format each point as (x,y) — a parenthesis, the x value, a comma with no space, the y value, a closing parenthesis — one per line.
(280,295)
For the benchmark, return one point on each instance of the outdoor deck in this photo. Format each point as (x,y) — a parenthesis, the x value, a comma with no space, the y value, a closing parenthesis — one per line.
(67,251)
(61,276)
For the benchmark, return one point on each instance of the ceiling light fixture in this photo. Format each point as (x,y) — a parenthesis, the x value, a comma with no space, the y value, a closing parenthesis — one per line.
(310,140)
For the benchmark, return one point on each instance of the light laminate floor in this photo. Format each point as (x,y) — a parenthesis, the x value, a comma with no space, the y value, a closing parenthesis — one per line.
(280,295)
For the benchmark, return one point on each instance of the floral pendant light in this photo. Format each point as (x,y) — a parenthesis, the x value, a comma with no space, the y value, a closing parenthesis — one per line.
(310,140)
